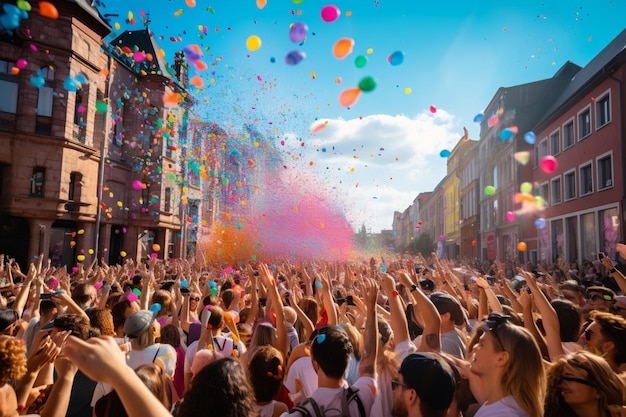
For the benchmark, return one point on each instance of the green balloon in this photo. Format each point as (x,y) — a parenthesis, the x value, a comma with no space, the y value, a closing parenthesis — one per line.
(367,84)
(101,106)
(360,61)
(490,189)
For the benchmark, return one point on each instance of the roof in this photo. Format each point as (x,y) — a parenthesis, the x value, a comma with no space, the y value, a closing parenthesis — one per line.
(596,67)
(129,42)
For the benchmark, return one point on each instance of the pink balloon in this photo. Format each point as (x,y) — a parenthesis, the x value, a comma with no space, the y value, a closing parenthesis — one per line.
(137,185)
(21,63)
(548,164)
(510,216)
(330,13)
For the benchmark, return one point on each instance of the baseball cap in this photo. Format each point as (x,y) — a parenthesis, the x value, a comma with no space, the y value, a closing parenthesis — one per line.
(431,377)
(7,318)
(606,293)
(138,323)
(445,303)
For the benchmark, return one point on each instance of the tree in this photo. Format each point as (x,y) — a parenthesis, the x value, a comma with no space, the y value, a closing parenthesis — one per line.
(424,244)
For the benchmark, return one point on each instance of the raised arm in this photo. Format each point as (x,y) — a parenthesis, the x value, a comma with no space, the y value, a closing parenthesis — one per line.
(282,341)
(367,365)
(398,318)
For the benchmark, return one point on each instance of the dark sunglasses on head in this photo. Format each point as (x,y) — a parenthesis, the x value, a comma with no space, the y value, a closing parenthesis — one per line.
(597,297)
(491,324)
(194,299)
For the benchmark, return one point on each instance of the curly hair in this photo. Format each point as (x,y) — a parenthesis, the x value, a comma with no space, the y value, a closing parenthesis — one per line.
(12,359)
(101,319)
(223,385)
(610,388)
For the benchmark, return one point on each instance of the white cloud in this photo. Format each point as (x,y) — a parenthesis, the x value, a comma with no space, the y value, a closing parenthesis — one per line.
(377,164)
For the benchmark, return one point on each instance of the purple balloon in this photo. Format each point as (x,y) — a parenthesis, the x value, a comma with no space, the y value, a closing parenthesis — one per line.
(298,32)
(294,57)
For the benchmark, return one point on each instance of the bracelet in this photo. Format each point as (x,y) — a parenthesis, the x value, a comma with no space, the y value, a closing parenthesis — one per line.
(413,287)
(612,270)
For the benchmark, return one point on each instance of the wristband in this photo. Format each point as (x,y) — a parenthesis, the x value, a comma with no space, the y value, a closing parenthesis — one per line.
(612,270)
(413,287)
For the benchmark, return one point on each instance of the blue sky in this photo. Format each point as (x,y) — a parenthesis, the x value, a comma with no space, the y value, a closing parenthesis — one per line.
(377,155)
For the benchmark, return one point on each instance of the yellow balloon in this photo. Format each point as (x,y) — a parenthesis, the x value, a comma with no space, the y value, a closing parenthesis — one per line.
(80,258)
(123,254)
(253,43)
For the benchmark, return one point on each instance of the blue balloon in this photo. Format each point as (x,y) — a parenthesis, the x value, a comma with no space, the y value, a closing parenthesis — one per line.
(294,57)
(540,223)
(155,308)
(445,153)
(37,81)
(530,138)
(396,58)
(506,134)
(70,85)
(183,283)
(479,118)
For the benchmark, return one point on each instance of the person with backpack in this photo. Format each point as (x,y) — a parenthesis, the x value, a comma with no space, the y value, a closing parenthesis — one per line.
(330,351)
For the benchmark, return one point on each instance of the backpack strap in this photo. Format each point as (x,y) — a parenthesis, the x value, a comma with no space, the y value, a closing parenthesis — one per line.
(350,394)
(300,408)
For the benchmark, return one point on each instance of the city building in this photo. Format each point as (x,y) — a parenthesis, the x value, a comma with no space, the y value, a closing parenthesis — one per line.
(469,194)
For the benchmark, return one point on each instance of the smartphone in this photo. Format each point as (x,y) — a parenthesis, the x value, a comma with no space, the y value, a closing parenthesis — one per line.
(528,290)
(46,296)
(600,255)
(185,291)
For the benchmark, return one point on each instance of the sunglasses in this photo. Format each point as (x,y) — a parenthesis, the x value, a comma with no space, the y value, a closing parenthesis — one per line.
(596,297)
(194,299)
(395,384)
(579,380)
(495,320)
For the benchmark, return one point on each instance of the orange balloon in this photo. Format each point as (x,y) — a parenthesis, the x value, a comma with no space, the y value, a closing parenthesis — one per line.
(191,3)
(201,65)
(48,10)
(521,246)
(156,247)
(349,96)
(196,81)
(343,48)
(261,3)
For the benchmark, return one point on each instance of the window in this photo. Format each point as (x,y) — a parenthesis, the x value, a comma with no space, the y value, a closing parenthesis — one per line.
(570,185)
(603,110)
(45,96)
(584,123)
(586,179)
(605,171)
(555,143)
(37,182)
(543,192)
(543,148)
(8,98)
(118,128)
(168,199)
(145,196)
(536,156)
(568,134)
(556,190)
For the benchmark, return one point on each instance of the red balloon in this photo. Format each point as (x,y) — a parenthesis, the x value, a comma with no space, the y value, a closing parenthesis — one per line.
(548,164)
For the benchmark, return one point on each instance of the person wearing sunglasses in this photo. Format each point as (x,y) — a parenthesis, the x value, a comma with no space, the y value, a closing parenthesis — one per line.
(606,336)
(582,384)
(508,369)
(598,298)
(425,386)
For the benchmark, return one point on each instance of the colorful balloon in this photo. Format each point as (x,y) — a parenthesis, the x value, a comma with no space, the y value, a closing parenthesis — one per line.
(156,247)
(70,85)
(396,58)
(479,118)
(522,157)
(510,216)
(367,84)
(330,13)
(540,223)
(548,164)
(294,57)
(521,247)
(360,61)
(490,190)
(526,187)
(530,138)
(298,32)
(433,109)
(349,96)
(137,185)
(445,153)
(253,43)
(343,48)
(48,10)
(506,134)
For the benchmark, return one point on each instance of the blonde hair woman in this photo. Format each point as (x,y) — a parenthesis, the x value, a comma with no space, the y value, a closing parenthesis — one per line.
(583,384)
(508,366)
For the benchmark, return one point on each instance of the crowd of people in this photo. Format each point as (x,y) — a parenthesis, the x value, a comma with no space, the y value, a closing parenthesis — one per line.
(408,336)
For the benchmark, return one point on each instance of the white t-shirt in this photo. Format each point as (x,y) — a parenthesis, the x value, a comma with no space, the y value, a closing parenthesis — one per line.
(384,400)
(329,399)
(161,354)
(301,369)
(506,407)
(222,344)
